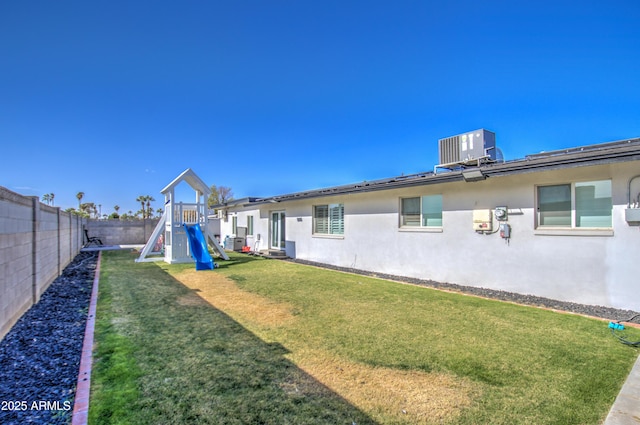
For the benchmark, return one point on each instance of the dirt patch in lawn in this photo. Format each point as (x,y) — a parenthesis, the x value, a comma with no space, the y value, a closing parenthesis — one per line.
(388,394)
(223,293)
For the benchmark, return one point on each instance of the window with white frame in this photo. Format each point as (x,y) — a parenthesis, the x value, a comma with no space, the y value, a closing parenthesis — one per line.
(328,219)
(249,225)
(575,205)
(422,211)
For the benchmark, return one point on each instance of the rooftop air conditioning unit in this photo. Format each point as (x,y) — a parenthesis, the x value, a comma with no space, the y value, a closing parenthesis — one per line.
(473,146)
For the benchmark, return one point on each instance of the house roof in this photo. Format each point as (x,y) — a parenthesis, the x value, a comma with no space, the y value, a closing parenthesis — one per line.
(237,202)
(192,180)
(604,153)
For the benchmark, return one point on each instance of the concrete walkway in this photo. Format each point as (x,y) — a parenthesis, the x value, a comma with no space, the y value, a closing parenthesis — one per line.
(626,408)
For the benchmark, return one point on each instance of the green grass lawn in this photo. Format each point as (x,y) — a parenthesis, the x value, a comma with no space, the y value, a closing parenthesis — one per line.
(264,341)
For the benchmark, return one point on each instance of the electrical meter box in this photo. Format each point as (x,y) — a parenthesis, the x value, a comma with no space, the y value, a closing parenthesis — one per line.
(482,220)
(502,213)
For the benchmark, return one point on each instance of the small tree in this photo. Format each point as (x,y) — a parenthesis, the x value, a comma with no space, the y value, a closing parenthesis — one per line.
(89,209)
(114,215)
(219,195)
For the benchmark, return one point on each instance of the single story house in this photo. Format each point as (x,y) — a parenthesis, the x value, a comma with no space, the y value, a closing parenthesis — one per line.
(563,225)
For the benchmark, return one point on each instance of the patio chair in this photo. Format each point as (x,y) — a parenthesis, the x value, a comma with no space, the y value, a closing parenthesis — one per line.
(91,239)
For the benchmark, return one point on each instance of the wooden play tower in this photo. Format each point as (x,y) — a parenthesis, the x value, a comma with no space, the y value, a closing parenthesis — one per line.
(169,236)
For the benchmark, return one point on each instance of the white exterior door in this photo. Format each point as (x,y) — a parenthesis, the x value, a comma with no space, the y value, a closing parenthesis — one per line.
(277,230)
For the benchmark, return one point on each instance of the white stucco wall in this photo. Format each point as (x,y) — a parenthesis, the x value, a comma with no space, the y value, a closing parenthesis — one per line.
(591,269)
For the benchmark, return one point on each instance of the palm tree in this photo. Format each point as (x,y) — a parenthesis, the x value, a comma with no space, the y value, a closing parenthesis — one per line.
(142,199)
(51,196)
(46,198)
(149,211)
(116,208)
(80,195)
(145,205)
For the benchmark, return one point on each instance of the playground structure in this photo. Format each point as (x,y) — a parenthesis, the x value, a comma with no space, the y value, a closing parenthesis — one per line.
(182,235)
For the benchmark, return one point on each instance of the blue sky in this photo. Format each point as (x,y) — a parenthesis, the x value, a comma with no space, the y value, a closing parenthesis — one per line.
(115,99)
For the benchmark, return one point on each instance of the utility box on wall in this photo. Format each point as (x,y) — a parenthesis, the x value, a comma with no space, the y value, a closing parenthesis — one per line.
(482,220)
(632,215)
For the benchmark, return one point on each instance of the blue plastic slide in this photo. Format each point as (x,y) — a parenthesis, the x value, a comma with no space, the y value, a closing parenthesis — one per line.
(198,246)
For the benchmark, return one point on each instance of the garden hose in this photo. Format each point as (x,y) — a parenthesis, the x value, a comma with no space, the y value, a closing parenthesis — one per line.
(618,326)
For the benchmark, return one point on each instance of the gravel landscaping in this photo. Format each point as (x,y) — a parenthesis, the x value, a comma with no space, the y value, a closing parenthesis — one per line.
(40,356)
(609,313)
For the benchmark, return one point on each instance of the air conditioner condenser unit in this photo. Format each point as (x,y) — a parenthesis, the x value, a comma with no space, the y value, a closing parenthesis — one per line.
(467,147)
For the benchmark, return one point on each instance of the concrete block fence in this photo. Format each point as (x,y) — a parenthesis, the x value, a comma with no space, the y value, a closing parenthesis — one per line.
(122,232)
(37,242)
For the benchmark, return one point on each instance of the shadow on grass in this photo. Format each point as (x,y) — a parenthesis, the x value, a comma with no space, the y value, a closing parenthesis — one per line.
(237,259)
(195,364)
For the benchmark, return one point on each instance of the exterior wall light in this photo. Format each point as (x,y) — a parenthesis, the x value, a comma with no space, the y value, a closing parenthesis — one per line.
(473,175)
